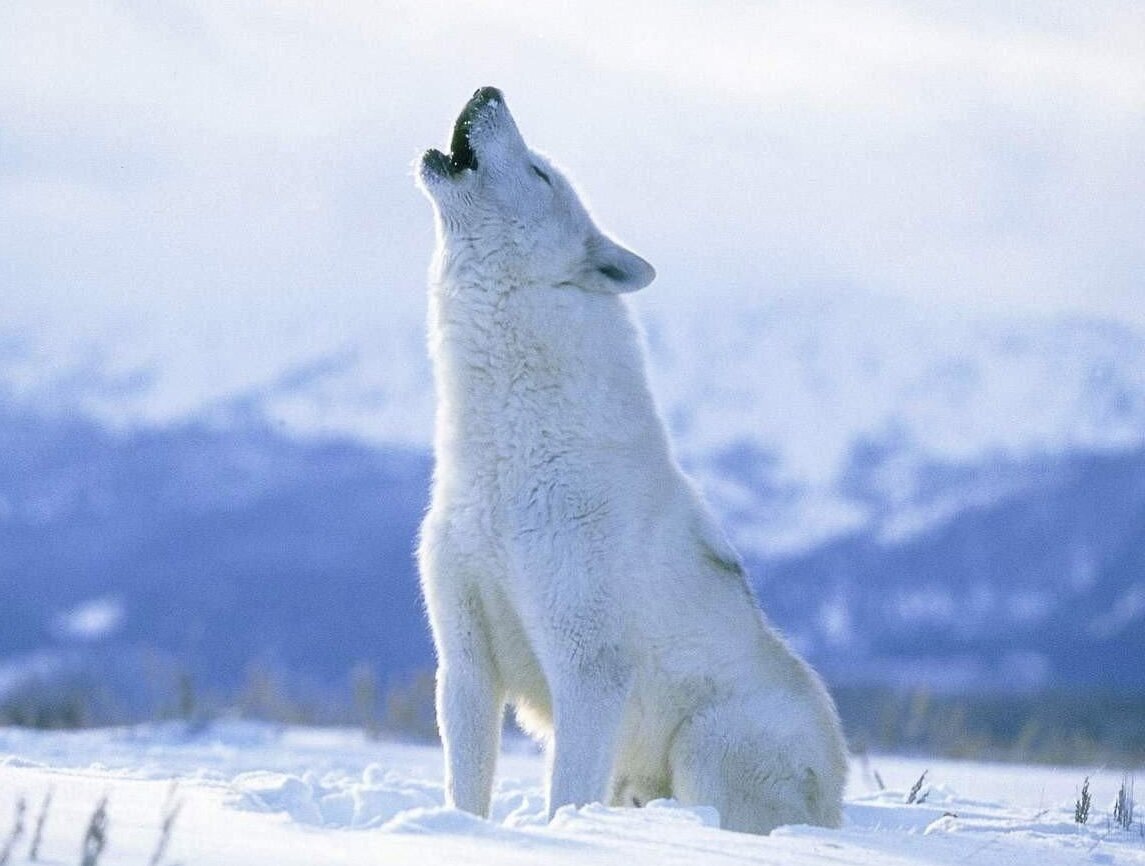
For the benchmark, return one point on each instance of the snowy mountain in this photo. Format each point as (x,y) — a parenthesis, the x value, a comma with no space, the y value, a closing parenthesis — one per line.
(862,410)
(955,504)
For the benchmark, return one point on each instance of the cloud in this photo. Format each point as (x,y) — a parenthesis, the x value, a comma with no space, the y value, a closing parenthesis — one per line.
(225,186)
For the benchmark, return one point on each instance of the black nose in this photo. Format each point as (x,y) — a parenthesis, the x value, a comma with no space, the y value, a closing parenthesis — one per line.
(488,94)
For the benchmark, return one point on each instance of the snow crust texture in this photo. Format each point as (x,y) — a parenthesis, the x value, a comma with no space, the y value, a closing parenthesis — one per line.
(256,794)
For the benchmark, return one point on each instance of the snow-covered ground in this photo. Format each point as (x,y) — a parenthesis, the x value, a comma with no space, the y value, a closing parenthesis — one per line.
(255,794)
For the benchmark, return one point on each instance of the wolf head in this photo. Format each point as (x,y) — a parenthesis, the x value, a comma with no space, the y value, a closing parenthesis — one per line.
(491,191)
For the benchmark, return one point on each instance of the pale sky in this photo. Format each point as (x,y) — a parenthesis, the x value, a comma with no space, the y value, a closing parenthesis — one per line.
(225,188)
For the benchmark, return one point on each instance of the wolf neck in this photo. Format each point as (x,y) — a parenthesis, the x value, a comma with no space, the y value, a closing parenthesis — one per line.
(521,366)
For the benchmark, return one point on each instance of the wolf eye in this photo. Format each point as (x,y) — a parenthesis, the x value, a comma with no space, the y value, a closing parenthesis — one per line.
(542,175)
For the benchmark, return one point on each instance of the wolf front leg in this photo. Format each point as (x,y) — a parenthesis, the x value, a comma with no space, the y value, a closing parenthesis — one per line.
(470,705)
(588,710)
(469,715)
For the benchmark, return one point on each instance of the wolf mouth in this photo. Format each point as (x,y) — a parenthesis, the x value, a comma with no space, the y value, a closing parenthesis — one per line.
(461,155)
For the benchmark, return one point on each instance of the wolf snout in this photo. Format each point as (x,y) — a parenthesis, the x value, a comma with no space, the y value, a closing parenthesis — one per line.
(487,94)
(482,97)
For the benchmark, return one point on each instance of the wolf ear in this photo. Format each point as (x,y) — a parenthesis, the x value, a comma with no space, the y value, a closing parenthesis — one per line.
(613,269)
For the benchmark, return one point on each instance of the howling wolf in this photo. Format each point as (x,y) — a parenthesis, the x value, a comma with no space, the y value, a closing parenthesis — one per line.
(569,568)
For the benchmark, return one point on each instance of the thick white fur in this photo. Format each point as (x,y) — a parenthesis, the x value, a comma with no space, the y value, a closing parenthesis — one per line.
(569,568)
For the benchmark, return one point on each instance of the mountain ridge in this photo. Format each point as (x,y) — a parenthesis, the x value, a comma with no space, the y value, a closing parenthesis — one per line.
(236,536)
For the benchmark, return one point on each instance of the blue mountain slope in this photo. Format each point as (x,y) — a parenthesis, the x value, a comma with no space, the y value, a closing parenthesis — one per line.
(1043,586)
(221,547)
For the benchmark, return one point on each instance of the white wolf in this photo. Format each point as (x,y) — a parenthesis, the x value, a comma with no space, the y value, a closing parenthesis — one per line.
(569,568)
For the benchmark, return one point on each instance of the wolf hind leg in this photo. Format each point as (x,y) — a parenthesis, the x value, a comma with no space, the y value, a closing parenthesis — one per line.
(756,782)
